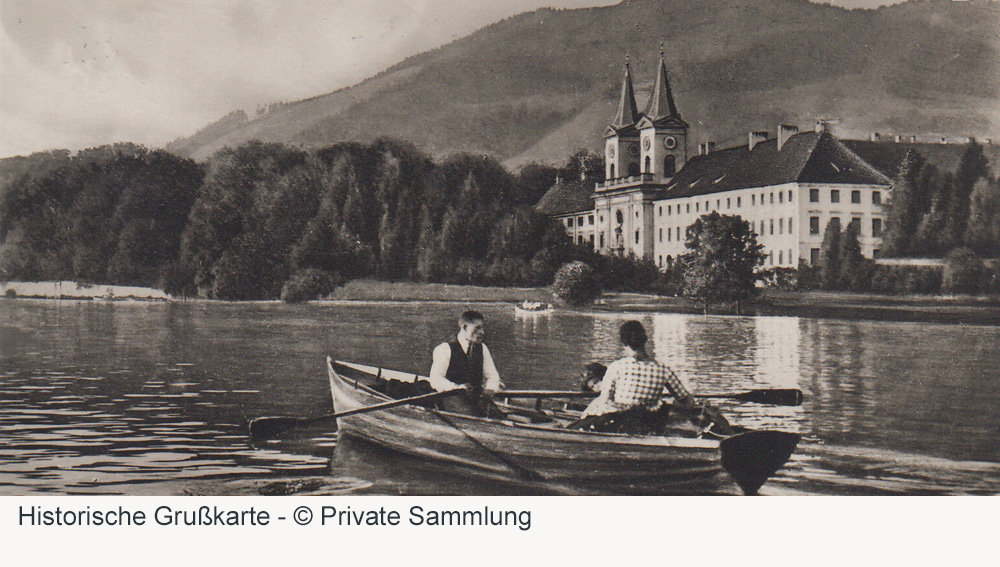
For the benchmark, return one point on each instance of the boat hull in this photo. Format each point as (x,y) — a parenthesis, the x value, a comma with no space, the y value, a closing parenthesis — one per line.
(588,461)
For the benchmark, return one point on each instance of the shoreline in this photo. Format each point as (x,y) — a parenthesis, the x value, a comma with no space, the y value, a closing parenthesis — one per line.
(964,310)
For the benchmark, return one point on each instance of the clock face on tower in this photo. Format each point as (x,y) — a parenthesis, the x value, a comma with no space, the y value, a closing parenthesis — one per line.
(611,152)
(670,142)
(646,144)
(633,149)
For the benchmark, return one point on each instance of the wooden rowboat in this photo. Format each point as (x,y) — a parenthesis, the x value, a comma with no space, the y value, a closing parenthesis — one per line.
(588,461)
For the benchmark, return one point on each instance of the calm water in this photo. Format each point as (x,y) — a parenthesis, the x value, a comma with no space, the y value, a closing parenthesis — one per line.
(113,397)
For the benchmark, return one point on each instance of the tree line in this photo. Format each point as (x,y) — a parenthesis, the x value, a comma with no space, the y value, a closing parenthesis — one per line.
(265,219)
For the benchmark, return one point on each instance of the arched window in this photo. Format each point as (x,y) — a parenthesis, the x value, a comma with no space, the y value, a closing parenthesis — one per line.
(633,169)
(612,176)
(669,165)
(649,165)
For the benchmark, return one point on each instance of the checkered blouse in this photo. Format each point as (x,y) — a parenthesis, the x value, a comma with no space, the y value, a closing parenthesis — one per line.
(630,383)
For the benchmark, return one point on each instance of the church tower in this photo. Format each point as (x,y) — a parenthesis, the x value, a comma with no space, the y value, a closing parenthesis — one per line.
(621,139)
(662,131)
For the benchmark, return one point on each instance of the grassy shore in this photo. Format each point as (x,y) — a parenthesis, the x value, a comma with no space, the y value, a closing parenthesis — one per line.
(828,305)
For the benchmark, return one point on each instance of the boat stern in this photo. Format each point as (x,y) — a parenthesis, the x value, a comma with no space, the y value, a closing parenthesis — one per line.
(751,458)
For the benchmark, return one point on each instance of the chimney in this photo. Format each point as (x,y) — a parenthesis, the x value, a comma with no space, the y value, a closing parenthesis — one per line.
(874,137)
(709,148)
(913,139)
(784,133)
(755,138)
(896,138)
(701,149)
(944,140)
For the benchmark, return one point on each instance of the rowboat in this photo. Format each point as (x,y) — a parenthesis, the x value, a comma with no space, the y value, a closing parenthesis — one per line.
(591,462)
(533,308)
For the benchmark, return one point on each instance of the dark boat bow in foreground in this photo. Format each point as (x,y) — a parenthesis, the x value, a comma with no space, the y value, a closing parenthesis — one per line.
(598,462)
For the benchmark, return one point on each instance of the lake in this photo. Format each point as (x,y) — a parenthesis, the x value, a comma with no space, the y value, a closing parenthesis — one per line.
(153,397)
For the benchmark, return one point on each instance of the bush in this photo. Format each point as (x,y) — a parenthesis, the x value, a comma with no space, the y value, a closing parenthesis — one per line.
(784,279)
(576,284)
(309,284)
(963,272)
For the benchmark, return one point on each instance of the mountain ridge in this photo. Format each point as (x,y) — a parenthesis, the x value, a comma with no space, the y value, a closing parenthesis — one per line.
(539,85)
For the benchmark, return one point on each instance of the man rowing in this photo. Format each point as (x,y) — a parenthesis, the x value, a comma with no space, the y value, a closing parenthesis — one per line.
(464,361)
(631,398)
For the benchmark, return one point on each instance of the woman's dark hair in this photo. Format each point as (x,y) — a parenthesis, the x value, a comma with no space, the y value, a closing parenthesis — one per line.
(633,334)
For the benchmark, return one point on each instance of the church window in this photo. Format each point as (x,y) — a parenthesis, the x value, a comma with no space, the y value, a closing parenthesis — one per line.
(669,165)
(612,176)
(602,240)
(637,237)
(649,165)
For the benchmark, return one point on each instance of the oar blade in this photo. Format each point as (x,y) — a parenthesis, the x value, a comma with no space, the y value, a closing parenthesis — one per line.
(267,427)
(777,397)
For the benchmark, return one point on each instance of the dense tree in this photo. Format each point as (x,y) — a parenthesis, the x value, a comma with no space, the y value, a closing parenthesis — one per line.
(903,212)
(829,271)
(853,265)
(723,259)
(983,231)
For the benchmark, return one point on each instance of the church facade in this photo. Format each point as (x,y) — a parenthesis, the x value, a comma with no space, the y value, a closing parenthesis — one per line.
(788,187)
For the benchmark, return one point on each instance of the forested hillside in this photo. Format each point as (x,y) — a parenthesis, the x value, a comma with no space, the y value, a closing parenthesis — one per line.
(537,86)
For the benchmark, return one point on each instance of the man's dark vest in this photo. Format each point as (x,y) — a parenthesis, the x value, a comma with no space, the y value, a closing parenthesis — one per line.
(466,368)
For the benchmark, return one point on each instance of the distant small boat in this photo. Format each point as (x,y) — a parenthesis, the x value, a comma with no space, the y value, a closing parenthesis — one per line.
(533,308)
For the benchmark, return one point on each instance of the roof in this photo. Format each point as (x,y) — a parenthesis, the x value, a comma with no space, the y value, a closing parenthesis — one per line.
(661,102)
(887,155)
(628,112)
(567,198)
(809,157)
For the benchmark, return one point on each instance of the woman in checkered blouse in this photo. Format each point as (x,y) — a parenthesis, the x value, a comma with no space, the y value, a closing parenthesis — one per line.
(637,380)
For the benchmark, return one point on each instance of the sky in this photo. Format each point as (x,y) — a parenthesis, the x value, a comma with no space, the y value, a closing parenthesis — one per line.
(81,73)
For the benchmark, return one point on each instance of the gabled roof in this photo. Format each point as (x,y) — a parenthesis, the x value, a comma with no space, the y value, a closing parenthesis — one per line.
(628,112)
(810,157)
(567,198)
(886,156)
(661,106)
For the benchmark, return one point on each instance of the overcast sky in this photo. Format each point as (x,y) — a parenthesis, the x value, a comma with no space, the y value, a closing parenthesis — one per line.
(81,73)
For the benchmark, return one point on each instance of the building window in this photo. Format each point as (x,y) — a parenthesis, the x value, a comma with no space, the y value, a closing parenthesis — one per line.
(772,198)
(789,195)
(590,220)
(781,199)
(678,234)
(669,166)
(661,256)
(789,225)
(876,227)
(876,253)
(781,257)
(612,170)
(580,240)
(770,258)
(661,235)
(601,218)
(706,206)
(814,195)
(669,234)
(649,165)
(569,222)
(813,225)
(753,200)
(602,240)
(856,197)
(637,237)
(762,231)
(835,221)
(661,210)
(633,169)
(834,195)
(696,207)
(669,209)
(876,197)
(813,256)
(728,200)
(717,207)
(689,207)
(591,240)
(781,225)
(739,202)
(772,226)
(856,222)
(579,221)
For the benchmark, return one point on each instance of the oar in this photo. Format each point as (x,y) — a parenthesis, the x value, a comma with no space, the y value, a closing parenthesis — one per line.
(522,472)
(777,397)
(264,427)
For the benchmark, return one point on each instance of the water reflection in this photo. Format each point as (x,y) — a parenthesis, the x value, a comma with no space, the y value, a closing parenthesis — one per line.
(103,397)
